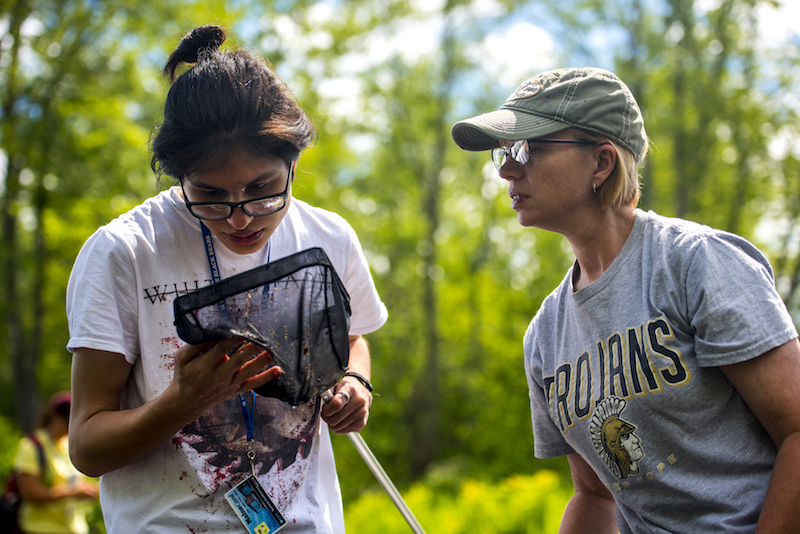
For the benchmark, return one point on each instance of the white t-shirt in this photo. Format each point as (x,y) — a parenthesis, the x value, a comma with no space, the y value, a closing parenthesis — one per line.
(120,299)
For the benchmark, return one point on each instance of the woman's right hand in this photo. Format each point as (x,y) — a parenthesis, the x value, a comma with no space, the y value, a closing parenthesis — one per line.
(208,374)
(103,437)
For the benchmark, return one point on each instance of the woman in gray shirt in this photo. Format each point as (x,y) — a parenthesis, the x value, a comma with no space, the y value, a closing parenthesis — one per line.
(665,366)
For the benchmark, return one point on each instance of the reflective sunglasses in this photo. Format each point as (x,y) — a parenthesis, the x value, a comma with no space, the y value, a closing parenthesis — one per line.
(219,211)
(520,152)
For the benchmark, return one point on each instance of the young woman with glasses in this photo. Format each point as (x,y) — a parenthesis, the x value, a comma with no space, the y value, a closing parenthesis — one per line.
(665,367)
(161,421)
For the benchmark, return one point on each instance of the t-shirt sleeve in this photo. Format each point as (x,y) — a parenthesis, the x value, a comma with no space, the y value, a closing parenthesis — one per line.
(734,307)
(368,312)
(548,442)
(26,460)
(102,308)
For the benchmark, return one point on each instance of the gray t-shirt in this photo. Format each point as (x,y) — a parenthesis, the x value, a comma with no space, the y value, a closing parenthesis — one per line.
(625,372)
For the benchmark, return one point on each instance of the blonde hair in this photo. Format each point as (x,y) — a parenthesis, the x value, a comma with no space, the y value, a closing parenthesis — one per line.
(623,187)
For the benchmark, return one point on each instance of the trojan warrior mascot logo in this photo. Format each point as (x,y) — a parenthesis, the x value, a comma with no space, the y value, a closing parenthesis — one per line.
(614,439)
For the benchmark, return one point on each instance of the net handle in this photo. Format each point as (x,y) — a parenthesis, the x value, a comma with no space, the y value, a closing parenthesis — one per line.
(380,474)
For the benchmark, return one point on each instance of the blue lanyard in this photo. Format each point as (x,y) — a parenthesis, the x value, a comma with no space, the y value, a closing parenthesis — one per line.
(247,411)
(212,256)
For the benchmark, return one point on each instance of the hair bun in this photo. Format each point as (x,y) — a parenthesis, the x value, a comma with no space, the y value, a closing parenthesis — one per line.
(203,37)
(199,41)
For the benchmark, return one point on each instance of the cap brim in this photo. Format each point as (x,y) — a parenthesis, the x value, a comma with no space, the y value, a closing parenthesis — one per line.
(483,132)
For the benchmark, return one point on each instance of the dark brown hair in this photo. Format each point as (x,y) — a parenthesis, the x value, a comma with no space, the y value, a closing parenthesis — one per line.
(57,406)
(228,101)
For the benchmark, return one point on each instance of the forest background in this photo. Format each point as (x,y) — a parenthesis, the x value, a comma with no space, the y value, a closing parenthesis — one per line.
(383,80)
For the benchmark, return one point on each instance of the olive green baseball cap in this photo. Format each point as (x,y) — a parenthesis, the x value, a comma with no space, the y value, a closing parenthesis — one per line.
(589,98)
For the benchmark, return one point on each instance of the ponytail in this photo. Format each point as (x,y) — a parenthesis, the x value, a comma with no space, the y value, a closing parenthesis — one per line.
(204,40)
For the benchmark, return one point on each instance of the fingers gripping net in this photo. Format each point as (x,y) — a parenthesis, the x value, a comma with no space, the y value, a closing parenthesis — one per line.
(296,308)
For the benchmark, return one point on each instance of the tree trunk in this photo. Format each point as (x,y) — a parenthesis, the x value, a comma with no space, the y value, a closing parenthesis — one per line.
(22,368)
(427,395)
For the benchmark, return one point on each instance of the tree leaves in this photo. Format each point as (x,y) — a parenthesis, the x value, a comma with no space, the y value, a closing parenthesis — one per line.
(460,277)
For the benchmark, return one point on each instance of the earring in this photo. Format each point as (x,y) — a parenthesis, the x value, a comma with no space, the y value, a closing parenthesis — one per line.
(594,187)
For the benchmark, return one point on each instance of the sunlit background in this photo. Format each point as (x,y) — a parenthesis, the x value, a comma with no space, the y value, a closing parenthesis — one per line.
(383,81)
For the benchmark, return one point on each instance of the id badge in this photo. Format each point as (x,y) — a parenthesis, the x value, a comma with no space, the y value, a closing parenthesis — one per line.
(254,507)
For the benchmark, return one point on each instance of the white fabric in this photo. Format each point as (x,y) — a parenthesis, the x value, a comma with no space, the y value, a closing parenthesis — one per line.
(120,299)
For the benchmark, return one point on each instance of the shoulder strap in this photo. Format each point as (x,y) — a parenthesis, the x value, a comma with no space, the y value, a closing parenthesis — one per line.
(40,450)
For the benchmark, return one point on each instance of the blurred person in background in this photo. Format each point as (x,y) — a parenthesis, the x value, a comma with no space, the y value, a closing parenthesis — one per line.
(54,494)
(665,366)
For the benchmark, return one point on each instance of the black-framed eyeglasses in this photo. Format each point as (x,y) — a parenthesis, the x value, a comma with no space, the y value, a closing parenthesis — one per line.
(520,152)
(219,211)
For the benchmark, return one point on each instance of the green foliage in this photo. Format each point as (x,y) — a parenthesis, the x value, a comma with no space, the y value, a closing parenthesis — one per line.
(9,437)
(460,277)
(515,505)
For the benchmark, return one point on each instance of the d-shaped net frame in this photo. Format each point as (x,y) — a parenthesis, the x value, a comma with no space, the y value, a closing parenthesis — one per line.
(296,308)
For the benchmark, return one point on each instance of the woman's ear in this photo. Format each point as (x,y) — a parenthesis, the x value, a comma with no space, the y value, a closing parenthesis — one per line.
(606,158)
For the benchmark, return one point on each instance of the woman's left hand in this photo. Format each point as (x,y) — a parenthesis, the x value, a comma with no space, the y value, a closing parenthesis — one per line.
(348,410)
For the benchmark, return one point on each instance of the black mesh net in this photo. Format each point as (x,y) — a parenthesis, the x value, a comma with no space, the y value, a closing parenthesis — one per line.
(296,308)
